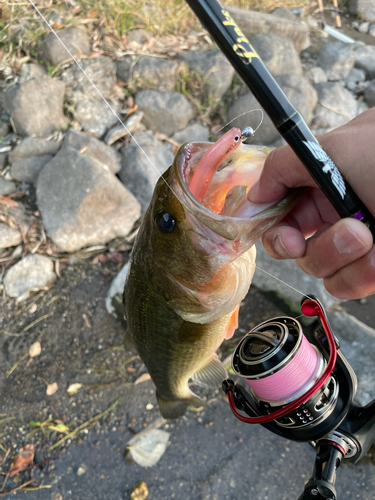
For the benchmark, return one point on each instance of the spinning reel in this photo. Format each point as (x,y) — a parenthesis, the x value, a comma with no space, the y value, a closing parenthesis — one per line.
(301,387)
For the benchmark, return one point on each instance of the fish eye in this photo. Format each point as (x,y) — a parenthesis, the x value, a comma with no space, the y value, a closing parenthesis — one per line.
(165,222)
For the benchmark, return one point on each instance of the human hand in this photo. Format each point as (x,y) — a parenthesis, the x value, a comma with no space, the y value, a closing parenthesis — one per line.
(340,251)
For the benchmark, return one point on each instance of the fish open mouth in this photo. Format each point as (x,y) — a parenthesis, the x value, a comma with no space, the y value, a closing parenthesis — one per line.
(220,203)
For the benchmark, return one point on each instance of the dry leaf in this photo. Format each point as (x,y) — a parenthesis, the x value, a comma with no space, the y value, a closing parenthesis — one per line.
(22,460)
(35,349)
(51,388)
(8,202)
(73,388)
(86,319)
(147,448)
(143,378)
(33,308)
(92,14)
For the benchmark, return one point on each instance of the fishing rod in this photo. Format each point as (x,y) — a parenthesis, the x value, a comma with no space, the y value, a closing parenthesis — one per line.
(287,120)
(298,386)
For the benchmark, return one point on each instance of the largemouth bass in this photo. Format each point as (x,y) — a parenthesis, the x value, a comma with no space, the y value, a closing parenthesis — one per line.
(192,264)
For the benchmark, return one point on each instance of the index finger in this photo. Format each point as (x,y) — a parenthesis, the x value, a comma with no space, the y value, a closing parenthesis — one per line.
(282,170)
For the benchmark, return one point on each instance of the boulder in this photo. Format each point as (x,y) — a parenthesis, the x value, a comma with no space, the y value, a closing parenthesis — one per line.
(33,146)
(9,236)
(364,9)
(277,53)
(137,172)
(102,72)
(365,59)
(6,187)
(214,68)
(337,60)
(94,116)
(154,73)
(36,107)
(32,273)
(195,131)
(316,75)
(336,106)
(51,52)
(88,145)
(252,23)
(167,111)
(369,95)
(28,169)
(82,203)
(302,85)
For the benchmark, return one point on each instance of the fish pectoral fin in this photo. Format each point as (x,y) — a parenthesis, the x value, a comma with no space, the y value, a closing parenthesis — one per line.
(232,324)
(211,374)
(129,343)
(175,408)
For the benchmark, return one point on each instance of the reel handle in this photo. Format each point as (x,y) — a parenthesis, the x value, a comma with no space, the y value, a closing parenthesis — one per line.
(321,486)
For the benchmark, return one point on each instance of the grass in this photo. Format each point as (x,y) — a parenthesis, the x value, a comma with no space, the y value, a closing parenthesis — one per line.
(21,28)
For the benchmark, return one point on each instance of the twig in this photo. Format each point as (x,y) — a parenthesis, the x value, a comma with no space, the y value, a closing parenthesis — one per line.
(17,488)
(17,363)
(41,318)
(85,424)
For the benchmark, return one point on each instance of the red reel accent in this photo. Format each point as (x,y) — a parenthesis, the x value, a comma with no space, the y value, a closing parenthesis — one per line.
(309,308)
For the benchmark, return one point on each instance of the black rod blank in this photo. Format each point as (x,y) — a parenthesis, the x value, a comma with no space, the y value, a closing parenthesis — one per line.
(284,116)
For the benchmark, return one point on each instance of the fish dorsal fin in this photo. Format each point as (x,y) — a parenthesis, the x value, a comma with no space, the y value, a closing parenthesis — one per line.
(211,374)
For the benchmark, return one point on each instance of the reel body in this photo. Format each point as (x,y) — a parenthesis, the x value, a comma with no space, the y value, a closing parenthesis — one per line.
(301,387)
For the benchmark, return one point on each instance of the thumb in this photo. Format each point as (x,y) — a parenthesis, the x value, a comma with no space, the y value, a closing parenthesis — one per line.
(282,170)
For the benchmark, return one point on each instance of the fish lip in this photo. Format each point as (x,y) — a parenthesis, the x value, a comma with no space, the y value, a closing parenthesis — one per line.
(227,226)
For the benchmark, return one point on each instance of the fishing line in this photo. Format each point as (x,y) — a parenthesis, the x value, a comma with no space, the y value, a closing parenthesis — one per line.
(100,94)
(281,281)
(242,114)
(131,135)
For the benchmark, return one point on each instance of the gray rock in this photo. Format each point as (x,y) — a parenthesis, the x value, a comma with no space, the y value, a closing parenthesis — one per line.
(288,272)
(88,145)
(154,73)
(266,134)
(139,36)
(82,203)
(365,59)
(102,72)
(355,77)
(137,173)
(195,131)
(357,342)
(36,107)
(336,106)
(32,273)
(284,13)
(4,128)
(131,125)
(302,85)
(94,116)
(167,111)
(364,27)
(6,187)
(9,236)
(316,75)
(33,146)
(365,9)
(28,169)
(124,68)
(30,71)
(3,160)
(277,53)
(214,68)
(369,95)
(337,59)
(371,30)
(51,52)
(362,106)
(252,23)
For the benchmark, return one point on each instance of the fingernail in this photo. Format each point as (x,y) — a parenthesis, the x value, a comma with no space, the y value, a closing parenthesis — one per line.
(279,248)
(372,258)
(253,191)
(346,241)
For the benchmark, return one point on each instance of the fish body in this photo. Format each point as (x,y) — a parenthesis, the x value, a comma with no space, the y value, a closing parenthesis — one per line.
(191,266)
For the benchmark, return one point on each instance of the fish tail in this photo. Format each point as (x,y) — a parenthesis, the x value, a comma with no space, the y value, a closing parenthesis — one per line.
(175,408)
